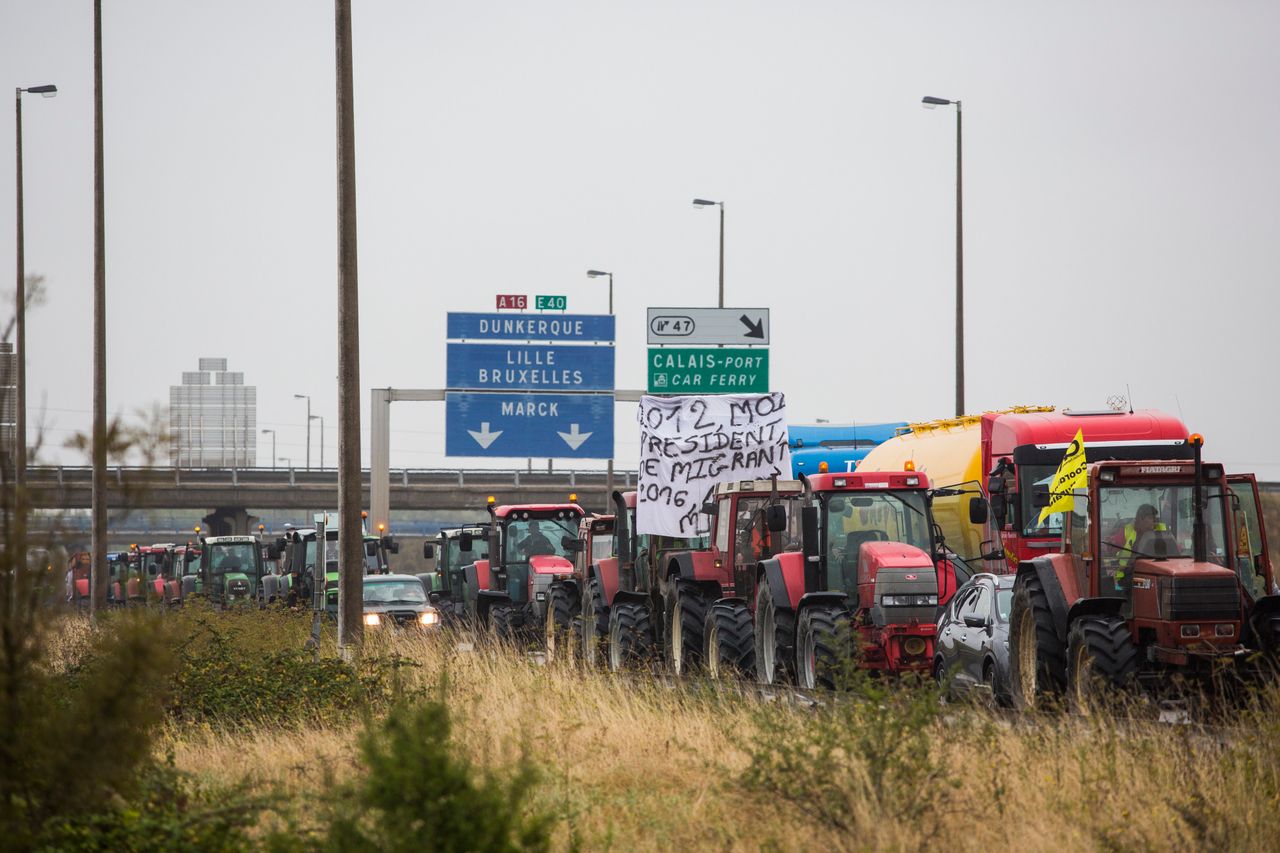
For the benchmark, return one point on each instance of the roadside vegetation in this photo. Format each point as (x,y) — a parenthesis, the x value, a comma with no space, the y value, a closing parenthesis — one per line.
(215,731)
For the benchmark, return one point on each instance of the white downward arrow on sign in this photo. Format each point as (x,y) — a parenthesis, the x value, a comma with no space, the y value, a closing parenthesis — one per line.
(573,438)
(484,438)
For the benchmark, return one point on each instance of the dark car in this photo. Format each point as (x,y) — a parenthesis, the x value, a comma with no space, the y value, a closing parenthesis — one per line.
(972,651)
(397,601)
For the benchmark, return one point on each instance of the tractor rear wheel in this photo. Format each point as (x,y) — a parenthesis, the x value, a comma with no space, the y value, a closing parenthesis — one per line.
(775,636)
(729,643)
(595,625)
(1103,662)
(562,607)
(631,639)
(818,647)
(687,618)
(1037,659)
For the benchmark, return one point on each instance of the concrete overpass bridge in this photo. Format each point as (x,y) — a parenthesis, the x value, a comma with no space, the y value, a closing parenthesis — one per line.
(233,498)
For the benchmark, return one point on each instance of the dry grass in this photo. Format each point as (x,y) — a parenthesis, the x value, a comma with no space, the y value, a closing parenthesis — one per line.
(633,764)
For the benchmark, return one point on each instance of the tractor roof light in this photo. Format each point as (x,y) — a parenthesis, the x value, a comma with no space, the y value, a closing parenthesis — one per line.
(1196,439)
(909,465)
(381,527)
(364,514)
(839,482)
(913,481)
(1107,476)
(573,497)
(491,500)
(823,467)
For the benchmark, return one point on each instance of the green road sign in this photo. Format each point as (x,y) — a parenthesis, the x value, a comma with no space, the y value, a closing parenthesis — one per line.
(552,303)
(680,370)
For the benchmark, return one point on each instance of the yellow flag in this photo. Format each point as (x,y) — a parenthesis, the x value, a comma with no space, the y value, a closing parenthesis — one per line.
(1072,474)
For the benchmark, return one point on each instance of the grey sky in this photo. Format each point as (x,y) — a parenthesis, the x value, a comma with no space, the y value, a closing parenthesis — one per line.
(1121,184)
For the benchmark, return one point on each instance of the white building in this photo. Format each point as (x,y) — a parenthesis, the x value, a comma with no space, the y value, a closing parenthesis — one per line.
(213,418)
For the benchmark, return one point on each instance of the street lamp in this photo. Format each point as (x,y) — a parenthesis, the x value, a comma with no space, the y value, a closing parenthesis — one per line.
(319,418)
(597,274)
(20,295)
(273,446)
(288,462)
(929,104)
(702,202)
(307,397)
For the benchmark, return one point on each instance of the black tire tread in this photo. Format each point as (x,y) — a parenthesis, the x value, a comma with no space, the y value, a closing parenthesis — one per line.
(1051,652)
(735,636)
(693,620)
(824,624)
(634,634)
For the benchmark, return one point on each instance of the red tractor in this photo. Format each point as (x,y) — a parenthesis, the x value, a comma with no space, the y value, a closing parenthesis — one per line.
(628,597)
(530,546)
(867,581)
(564,599)
(1163,571)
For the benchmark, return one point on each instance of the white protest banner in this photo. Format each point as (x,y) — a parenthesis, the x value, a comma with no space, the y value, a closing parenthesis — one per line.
(689,445)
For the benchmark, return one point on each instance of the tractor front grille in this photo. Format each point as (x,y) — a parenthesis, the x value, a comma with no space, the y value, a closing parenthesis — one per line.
(1186,599)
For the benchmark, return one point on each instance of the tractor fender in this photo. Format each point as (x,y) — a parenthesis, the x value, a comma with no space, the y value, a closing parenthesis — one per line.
(695,566)
(1268,605)
(270,588)
(477,575)
(826,598)
(731,599)
(1264,609)
(785,576)
(1095,607)
(570,582)
(188,585)
(606,571)
(486,599)
(1043,570)
(630,597)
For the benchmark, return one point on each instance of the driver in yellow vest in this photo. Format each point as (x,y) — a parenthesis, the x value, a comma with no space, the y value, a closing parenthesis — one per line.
(1144,521)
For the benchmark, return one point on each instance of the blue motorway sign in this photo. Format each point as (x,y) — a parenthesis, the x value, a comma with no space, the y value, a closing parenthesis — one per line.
(531,327)
(576,426)
(529,367)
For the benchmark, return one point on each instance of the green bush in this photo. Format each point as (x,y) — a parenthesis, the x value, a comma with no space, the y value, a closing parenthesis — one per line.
(234,670)
(169,812)
(77,733)
(420,793)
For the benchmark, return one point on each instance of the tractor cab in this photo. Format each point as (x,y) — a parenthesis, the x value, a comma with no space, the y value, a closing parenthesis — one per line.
(454,549)
(231,569)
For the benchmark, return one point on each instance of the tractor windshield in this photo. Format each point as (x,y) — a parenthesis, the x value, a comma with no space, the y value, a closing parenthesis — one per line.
(1156,521)
(330,554)
(532,537)
(456,557)
(234,558)
(881,516)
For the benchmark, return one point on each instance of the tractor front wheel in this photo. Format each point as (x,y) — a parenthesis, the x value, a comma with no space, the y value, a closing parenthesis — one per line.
(1103,662)
(562,607)
(818,647)
(729,643)
(1037,659)
(687,618)
(775,638)
(630,636)
(505,621)
(595,624)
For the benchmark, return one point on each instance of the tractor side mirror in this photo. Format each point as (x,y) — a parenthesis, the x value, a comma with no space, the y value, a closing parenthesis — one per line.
(389,542)
(428,551)
(464,541)
(709,508)
(371,549)
(1040,497)
(775,518)
(995,483)
(281,544)
(273,553)
(999,507)
(978,510)
(571,543)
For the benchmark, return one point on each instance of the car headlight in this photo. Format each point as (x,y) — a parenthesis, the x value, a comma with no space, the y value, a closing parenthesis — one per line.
(372,619)
(428,617)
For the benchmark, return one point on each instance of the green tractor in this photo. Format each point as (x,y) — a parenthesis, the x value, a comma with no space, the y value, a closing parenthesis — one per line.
(297,555)
(230,571)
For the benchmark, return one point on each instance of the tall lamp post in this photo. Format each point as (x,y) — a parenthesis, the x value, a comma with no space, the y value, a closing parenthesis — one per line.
(307,397)
(320,418)
(273,446)
(702,202)
(20,308)
(597,274)
(608,485)
(98,512)
(933,103)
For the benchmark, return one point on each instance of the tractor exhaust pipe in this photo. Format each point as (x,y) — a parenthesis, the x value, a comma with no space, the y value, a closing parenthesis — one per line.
(1199,539)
